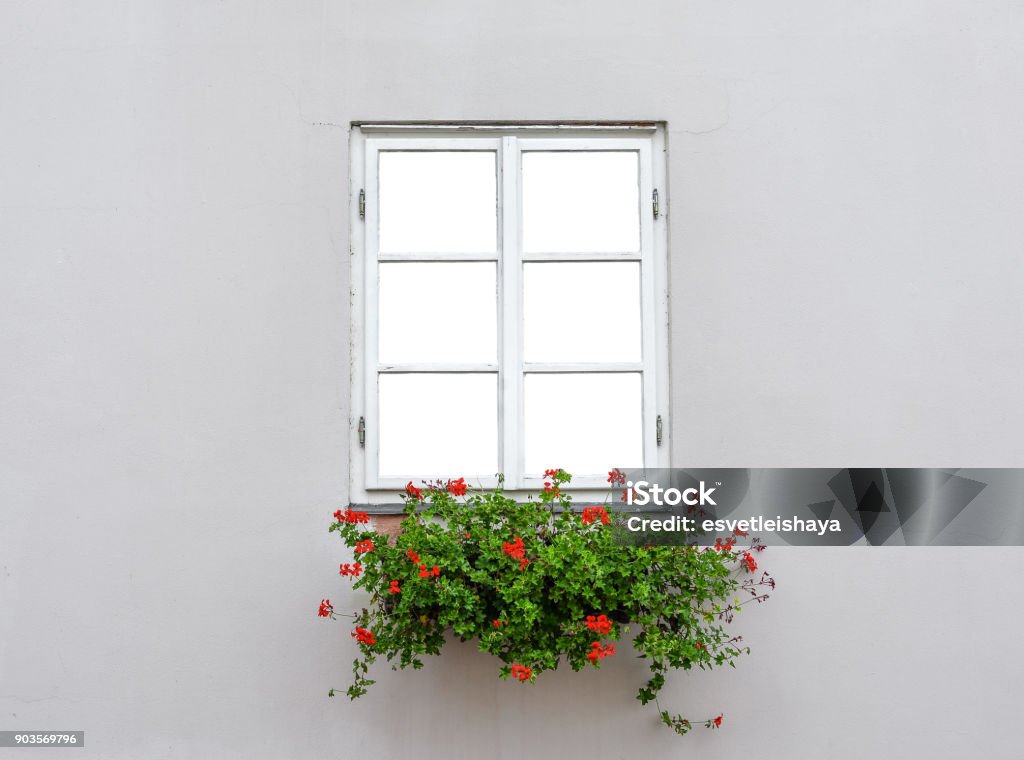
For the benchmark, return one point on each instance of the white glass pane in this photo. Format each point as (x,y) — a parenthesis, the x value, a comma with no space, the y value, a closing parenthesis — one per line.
(581,201)
(438,426)
(438,202)
(585,423)
(581,312)
(431,312)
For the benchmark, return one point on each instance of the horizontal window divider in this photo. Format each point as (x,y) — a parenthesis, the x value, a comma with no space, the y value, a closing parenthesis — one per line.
(437,257)
(581,367)
(582,257)
(438,367)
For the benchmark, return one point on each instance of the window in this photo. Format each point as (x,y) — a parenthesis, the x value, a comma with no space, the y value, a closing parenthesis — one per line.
(509,303)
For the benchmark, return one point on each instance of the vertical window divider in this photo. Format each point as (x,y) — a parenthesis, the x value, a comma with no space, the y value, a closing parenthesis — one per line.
(510,273)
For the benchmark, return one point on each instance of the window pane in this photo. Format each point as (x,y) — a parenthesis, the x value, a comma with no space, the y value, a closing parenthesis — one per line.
(581,312)
(438,425)
(438,202)
(581,201)
(432,312)
(586,423)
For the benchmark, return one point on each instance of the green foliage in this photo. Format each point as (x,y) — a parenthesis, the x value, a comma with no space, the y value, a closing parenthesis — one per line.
(538,584)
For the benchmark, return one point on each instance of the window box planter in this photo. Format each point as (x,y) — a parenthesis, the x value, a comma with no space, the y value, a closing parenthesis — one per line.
(539,584)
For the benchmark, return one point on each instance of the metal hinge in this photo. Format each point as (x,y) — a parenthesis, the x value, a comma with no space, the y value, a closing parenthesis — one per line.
(657,429)
(362,431)
(654,204)
(362,204)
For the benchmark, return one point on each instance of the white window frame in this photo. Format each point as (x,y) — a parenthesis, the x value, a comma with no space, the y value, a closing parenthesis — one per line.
(508,142)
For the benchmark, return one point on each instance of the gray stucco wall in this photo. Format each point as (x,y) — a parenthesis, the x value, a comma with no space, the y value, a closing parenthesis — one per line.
(846,273)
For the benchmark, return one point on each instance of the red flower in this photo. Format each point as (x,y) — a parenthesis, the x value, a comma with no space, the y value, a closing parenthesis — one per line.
(413,492)
(516,550)
(326,608)
(551,489)
(496,623)
(617,477)
(740,533)
(364,546)
(425,573)
(353,570)
(457,487)
(521,672)
(411,554)
(600,624)
(364,636)
(718,721)
(351,517)
(726,545)
(750,562)
(599,651)
(395,588)
(467,534)
(593,514)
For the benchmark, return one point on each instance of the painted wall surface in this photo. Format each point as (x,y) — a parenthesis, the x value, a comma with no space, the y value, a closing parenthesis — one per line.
(846,273)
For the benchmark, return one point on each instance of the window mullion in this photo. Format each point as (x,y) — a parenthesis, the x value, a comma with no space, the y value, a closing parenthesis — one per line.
(511,376)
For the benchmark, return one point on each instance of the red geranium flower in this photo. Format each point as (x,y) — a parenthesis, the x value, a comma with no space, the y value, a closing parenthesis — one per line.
(326,608)
(364,636)
(457,487)
(725,545)
(599,651)
(395,588)
(521,672)
(351,516)
(364,546)
(413,491)
(617,477)
(353,569)
(516,550)
(600,624)
(593,514)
